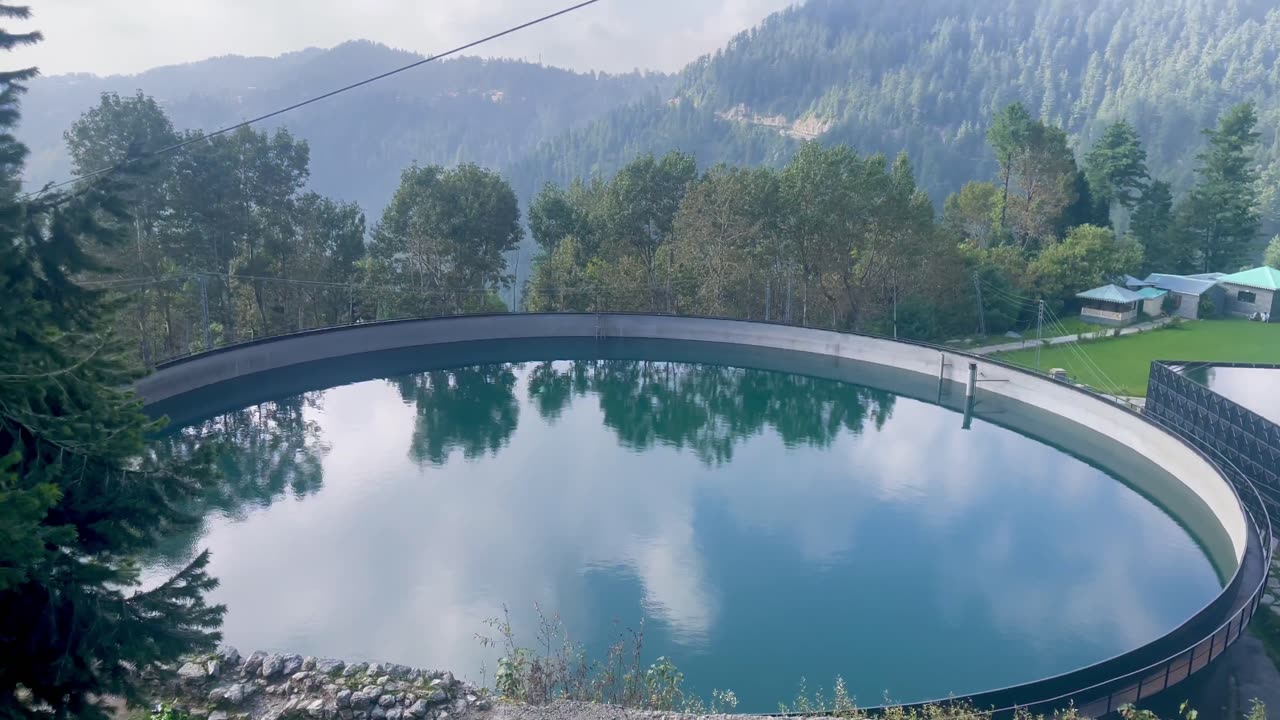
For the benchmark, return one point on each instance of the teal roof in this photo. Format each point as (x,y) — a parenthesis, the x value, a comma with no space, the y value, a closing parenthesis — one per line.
(1150,292)
(1110,293)
(1263,278)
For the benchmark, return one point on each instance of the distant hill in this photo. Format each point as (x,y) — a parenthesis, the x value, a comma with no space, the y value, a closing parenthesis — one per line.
(874,74)
(491,112)
(926,76)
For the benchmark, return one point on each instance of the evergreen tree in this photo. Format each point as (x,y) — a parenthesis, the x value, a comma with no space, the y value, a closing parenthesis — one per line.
(1221,217)
(1116,166)
(79,496)
(1152,226)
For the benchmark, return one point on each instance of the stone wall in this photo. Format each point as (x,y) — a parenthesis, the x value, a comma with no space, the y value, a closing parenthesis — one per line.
(228,686)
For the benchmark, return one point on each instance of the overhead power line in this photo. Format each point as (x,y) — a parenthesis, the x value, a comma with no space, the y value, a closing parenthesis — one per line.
(317,98)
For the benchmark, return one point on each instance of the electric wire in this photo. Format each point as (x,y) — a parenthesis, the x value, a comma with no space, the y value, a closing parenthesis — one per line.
(314,99)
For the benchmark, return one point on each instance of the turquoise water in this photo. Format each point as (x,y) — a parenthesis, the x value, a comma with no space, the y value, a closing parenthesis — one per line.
(765,526)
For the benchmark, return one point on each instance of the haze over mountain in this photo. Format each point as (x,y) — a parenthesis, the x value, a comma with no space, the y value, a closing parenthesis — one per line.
(864,73)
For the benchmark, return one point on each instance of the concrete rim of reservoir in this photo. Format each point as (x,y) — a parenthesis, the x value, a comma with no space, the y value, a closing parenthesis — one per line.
(1095,689)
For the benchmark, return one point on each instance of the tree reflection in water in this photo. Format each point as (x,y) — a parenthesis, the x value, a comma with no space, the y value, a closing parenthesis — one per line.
(268,450)
(261,453)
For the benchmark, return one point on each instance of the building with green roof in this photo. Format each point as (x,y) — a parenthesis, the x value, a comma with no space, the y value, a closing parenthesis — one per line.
(1252,293)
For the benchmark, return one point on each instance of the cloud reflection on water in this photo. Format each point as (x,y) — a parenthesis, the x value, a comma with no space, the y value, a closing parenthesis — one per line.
(423,528)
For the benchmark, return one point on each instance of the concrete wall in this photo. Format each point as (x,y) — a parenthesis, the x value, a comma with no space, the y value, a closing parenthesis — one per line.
(1264,300)
(1172,455)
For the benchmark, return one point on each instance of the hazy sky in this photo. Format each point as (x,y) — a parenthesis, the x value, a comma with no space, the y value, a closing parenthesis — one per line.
(127,36)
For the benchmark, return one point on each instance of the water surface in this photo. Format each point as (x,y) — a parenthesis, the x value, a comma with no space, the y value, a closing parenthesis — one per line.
(766,527)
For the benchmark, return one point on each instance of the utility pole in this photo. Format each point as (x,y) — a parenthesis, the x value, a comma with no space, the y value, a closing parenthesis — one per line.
(204,310)
(1039,331)
(895,309)
(982,314)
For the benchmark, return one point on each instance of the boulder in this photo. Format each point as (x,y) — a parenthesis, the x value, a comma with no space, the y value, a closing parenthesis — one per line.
(395,713)
(253,665)
(291,664)
(235,694)
(316,708)
(436,696)
(213,668)
(228,654)
(272,666)
(418,709)
(329,666)
(343,698)
(354,669)
(308,663)
(387,700)
(191,672)
(378,713)
(361,700)
(218,715)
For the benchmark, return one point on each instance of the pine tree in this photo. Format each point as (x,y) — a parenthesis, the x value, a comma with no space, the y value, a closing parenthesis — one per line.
(1116,166)
(1221,215)
(79,496)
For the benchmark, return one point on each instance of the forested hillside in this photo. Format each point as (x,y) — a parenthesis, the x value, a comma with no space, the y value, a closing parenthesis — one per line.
(879,78)
(465,110)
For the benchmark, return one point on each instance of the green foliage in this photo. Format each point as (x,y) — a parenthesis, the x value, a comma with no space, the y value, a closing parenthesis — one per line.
(971,215)
(443,239)
(1271,256)
(1116,166)
(81,497)
(1220,217)
(1090,256)
(1152,226)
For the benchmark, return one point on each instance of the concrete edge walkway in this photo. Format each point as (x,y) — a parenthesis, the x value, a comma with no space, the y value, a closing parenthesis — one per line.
(1064,339)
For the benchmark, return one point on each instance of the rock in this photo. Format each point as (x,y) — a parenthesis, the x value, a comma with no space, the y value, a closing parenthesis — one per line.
(219,715)
(415,675)
(253,665)
(228,655)
(213,668)
(217,695)
(289,707)
(316,708)
(399,671)
(235,694)
(481,704)
(361,700)
(387,700)
(443,716)
(383,680)
(397,686)
(410,698)
(436,696)
(272,665)
(448,680)
(291,664)
(299,677)
(377,669)
(191,672)
(460,706)
(471,698)
(418,709)
(355,669)
(372,691)
(308,663)
(329,666)
(395,713)
(378,713)
(344,698)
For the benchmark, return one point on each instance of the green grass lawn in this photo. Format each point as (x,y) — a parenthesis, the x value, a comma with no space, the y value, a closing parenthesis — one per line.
(1126,361)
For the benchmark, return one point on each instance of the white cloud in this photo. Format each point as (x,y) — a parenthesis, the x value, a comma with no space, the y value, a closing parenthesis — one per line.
(128,36)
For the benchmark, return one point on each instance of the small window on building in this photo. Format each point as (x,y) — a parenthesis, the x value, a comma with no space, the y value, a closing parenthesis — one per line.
(1245,296)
